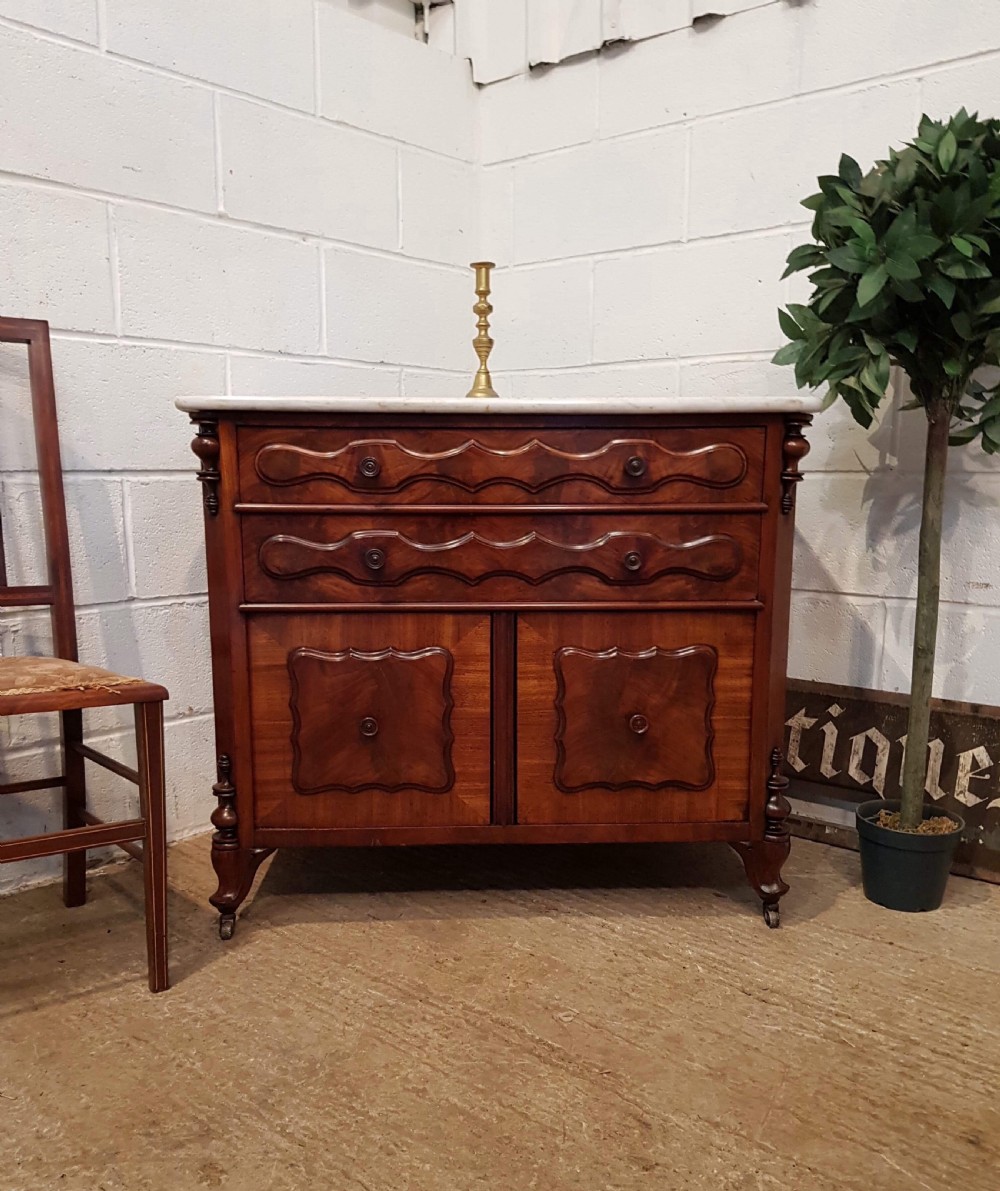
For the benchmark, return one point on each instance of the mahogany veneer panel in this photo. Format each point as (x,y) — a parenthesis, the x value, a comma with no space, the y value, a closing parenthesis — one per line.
(362,721)
(630,718)
(477,465)
(488,558)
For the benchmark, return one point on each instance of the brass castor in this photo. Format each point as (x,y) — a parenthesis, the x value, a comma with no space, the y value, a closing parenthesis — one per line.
(227,924)
(772,915)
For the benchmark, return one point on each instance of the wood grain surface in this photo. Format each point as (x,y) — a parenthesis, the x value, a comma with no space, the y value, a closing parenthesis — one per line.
(487,558)
(445,465)
(428,761)
(698,715)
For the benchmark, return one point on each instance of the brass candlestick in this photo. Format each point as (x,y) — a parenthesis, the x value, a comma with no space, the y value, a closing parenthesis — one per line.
(482,386)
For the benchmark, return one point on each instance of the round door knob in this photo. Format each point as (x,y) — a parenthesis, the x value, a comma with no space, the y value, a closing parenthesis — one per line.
(369,467)
(633,561)
(639,724)
(369,726)
(635,466)
(374,559)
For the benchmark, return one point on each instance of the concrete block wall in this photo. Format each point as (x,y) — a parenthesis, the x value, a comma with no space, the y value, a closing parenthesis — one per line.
(277,197)
(283,198)
(643,200)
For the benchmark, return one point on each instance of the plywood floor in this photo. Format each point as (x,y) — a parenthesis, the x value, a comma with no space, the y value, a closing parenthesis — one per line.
(590,1019)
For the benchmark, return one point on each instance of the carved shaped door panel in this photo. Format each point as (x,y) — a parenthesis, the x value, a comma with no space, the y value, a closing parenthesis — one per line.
(370,721)
(392,730)
(626,718)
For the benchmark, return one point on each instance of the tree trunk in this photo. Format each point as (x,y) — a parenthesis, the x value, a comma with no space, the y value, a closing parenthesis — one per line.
(925,627)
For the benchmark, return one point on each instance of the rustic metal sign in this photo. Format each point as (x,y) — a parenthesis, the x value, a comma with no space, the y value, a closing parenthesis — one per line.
(854,741)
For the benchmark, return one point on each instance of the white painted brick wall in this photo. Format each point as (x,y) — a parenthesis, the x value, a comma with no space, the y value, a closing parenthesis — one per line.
(394,86)
(292,171)
(201,198)
(384,311)
(734,64)
(96,536)
(847,40)
(693,299)
(787,146)
(266,50)
(547,110)
(153,509)
(272,376)
(434,382)
(202,281)
(70,18)
(284,197)
(439,207)
(109,126)
(543,314)
(56,258)
(116,403)
(754,105)
(600,196)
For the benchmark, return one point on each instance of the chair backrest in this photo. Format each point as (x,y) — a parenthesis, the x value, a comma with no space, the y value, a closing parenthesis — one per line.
(57,594)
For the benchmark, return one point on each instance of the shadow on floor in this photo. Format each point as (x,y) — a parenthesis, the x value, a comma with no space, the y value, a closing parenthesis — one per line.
(366,882)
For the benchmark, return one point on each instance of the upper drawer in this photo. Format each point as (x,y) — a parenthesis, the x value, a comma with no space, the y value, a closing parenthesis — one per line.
(700,465)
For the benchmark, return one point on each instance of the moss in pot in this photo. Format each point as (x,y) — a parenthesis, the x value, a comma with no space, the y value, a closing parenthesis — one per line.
(905,267)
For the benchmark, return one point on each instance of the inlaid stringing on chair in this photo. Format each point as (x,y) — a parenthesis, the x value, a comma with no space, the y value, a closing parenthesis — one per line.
(32,684)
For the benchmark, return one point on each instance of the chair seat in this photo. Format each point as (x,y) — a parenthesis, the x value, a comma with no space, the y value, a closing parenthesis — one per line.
(30,684)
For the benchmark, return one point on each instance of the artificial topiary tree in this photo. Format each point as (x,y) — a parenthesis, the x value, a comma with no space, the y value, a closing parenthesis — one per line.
(906,270)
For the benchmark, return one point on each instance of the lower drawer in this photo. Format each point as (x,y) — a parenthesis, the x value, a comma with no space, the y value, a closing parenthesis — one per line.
(477,559)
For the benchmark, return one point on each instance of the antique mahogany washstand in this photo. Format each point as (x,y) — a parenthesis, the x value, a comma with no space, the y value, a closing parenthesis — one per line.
(503,620)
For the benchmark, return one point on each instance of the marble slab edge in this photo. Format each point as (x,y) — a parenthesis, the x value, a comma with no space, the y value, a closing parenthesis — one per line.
(808,403)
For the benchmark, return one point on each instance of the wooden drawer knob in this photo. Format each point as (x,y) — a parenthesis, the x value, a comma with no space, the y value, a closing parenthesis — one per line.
(639,724)
(374,559)
(369,726)
(635,466)
(633,561)
(369,467)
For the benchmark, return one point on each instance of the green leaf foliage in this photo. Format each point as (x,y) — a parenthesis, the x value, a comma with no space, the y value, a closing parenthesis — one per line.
(905,268)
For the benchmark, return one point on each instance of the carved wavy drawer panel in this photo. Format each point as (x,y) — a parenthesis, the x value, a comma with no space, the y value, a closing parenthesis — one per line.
(387,557)
(684,464)
(474,559)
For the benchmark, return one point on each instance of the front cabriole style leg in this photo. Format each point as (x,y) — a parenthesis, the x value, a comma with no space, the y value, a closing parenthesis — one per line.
(764,858)
(234,865)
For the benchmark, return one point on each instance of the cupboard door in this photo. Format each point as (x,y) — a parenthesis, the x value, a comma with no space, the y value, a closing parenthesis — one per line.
(370,721)
(626,718)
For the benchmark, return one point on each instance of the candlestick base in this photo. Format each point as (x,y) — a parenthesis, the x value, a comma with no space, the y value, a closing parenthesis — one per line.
(482,386)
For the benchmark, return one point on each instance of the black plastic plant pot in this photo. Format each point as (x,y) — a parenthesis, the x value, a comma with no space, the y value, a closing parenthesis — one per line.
(902,870)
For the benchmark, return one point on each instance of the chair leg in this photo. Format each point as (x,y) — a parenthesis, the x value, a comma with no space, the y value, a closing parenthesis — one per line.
(152,800)
(74,805)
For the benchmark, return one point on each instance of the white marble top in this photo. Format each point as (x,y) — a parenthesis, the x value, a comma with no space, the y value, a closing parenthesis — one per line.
(806,403)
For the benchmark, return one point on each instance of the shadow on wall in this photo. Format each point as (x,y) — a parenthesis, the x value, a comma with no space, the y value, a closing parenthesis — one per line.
(887,520)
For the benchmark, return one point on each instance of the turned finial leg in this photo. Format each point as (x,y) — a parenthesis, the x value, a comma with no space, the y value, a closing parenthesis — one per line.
(234,865)
(763,859)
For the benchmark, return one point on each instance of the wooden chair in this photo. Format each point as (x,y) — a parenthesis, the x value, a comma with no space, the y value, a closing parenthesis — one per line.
(62,684)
